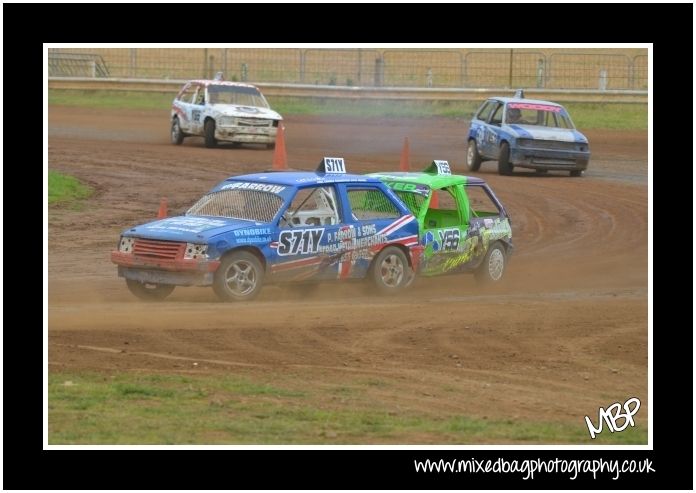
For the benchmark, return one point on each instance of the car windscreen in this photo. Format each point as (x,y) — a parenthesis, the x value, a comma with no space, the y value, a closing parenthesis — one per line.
(249,205)
(411,194)
(542,115)
(242,96)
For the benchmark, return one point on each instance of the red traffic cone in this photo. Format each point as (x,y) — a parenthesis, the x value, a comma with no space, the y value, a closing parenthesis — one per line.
(434,201)
(280,156)
(403,164)
(162,213)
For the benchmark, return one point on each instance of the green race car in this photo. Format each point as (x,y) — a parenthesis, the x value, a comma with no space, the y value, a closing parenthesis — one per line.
(463,227)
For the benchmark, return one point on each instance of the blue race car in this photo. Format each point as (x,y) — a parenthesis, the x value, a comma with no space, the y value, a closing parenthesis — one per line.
(274,227)
(526,133)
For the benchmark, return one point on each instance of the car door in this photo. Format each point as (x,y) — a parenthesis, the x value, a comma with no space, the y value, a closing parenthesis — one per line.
(487,141)
(443,232)
(197,107)
(182,106)
(487,223)
(372,221)
(306,236)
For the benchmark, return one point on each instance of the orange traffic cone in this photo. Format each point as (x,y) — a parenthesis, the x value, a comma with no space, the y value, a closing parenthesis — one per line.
(162,213)
(280,157)
(434,201)
(403,164)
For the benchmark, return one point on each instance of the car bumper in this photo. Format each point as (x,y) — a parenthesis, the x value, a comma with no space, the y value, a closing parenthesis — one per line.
(246,135)
(549,159)
(182,272)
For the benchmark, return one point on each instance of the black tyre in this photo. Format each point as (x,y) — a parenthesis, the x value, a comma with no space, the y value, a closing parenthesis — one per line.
(177,134)
(209,133)
(239,277)
(473,158)
(493,265)
(149,291)
(390,272)
(504,165)
(270,146)
(576,172)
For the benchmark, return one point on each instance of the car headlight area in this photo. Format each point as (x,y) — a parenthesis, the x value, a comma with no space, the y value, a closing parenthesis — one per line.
(196,251)
(125,244)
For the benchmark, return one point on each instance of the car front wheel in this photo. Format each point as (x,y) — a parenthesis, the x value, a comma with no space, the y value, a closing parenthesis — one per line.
(390,271)
(239,277)
(177,134)
(149,291)
(473,158)
(209,133)
(492,268)
(504,165)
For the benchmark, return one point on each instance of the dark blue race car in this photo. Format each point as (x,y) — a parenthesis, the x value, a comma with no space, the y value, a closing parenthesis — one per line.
(526,133)
(273,227)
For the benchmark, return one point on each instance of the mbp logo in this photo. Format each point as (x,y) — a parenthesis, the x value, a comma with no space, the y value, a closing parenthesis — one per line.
(613,414)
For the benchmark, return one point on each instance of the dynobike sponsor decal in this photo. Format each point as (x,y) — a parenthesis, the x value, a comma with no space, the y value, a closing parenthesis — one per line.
(261,187)
(189,224)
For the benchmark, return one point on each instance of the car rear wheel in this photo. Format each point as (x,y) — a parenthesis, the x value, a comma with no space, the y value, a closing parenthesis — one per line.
(239,277)
(390,271)
(177,134)
(473,158)
(504,165)
(493,266)
(149,291)
(270,146)
(576,172)
(209,133)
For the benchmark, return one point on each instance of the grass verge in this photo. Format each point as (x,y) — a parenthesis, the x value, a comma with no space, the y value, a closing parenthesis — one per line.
(64,189)
(585,115)
(128,408)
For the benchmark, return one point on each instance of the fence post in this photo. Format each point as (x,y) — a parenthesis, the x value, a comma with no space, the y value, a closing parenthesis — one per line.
(379,71)
(224,62)
(302,65)
(133,62)
(205,62)
(429,78)
(245,72)
(211,67)
(510,71)
(359,67)
(540,73)
(603,80)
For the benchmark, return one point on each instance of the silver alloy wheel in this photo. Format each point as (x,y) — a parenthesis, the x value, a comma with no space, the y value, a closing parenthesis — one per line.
(496,264)
(176,131)
(470,153)
(241,278)
(392,271)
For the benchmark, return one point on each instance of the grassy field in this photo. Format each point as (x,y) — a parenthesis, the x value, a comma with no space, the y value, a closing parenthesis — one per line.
(585,115)
(64,189)
(131,408)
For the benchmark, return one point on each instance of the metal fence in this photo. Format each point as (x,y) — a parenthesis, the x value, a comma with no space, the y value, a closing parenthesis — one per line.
(438,68)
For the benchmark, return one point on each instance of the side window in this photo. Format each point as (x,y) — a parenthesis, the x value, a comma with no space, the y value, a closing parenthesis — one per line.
(485,111)
(316,206)
(498,115)
(371,203)
(187,95)
(443,210)
(199,97)
(480,203)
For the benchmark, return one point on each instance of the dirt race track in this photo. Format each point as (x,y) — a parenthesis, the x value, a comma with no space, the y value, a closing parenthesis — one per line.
(565,334)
